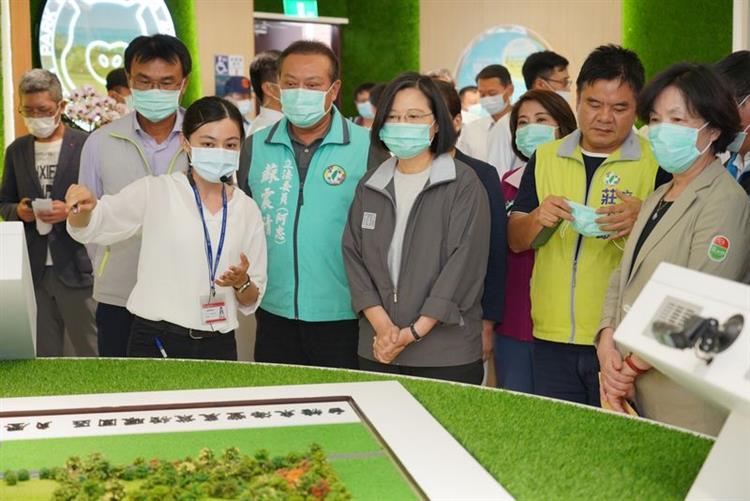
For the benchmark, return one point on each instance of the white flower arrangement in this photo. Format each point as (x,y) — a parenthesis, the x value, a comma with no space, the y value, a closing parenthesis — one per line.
(90,110)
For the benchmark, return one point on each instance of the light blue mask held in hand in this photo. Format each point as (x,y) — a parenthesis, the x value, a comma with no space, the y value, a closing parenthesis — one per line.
(584,218)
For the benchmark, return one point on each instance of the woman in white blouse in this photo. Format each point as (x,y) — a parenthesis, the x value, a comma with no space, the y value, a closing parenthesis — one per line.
(203,250)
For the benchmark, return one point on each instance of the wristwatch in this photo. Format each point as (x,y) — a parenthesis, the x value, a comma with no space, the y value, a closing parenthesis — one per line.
(417,337)
(242,288)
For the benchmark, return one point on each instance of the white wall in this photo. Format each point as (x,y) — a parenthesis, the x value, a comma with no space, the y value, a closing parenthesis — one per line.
(572,27)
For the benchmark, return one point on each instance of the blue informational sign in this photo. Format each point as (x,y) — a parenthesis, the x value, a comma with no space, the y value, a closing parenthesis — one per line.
(508,45)
(83,40)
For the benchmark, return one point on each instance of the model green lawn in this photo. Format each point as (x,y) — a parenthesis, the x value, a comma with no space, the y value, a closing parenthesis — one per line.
(361,462)
(537,449)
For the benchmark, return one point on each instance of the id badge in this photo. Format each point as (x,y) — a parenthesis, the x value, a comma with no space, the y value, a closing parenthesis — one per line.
(213,309)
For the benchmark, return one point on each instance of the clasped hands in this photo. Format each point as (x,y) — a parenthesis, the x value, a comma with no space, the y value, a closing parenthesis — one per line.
(618,378)
(389,341)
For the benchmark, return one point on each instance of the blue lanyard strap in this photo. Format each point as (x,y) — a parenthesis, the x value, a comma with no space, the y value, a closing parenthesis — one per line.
(731,167)
(213,266)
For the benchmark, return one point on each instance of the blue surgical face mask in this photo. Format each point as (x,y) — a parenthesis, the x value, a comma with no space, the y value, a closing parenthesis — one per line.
(406,140)
(739,139)
(214,163)
(244,106)
(156,104)
(304,107)
(584,218)
(530,136)
(477,110)
(675,146)
(494,104)
(366,110)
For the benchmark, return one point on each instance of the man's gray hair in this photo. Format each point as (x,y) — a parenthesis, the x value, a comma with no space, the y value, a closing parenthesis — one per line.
(38,80)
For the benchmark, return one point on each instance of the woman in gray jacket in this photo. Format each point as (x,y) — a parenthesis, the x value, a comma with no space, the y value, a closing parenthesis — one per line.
(416,244)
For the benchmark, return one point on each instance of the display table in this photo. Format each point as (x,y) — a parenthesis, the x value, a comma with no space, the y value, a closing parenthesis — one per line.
(535,448)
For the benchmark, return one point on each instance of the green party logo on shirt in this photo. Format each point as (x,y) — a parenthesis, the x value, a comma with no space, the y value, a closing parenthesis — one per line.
(718,248)
(611,179)
(334,175)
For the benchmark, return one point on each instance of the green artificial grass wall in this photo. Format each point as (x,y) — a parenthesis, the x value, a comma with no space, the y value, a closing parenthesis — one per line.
(664,32)
(186,29)
(536,448)
(380,41)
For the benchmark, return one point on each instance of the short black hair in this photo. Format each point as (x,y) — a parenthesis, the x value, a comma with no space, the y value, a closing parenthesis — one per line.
(166,47)
(735,69)
(264,68)
(464,90)
(117,78)
(375,94)
(445,137)
(706,95)
(451,97)
(495,71)
(541,65)
(363,87)
(312,47)
(210,109)
(612,62)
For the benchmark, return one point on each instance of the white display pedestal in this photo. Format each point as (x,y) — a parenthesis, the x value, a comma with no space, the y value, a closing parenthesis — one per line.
(672,295)
(726,472)
(17,301)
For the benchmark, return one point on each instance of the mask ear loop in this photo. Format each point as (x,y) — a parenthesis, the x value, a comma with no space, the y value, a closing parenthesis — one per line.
(564,227)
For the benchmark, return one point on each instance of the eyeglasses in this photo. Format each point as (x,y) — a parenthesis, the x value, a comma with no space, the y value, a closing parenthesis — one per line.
(565,83)
(411,116)
(143,84)
(38,112)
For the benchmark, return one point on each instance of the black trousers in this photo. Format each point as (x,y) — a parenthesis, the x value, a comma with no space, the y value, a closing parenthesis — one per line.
(178,343)
(324,344)
(566,372)
(113,324)
(472,373)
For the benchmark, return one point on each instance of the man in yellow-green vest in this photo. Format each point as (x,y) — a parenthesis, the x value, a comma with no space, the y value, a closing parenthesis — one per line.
(578,200)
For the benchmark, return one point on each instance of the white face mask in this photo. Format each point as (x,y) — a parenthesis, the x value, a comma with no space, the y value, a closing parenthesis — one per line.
(494,104)
(565,94)
(42,128)
(244,105)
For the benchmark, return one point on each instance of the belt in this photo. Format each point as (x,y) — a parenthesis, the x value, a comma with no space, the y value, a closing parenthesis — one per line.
(169,327)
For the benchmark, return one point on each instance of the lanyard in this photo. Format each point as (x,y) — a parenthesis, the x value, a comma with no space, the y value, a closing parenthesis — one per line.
(731,167)
(213,266)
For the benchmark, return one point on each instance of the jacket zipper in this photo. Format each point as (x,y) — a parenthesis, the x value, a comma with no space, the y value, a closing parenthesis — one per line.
(406,229)
(295,250)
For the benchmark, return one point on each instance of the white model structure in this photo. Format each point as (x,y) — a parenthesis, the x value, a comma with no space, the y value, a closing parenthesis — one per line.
(712,315)
(17,301)
(440,467)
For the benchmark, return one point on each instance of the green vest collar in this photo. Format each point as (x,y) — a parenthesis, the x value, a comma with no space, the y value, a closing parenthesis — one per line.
(443,170)
(338,133)
(630,149)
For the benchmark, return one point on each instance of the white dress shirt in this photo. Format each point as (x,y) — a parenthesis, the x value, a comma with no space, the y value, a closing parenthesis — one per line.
(266,118)
(173,268)
(473,138)
(500,152)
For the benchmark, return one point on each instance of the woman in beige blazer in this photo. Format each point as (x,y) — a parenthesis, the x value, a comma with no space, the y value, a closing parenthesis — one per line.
(699,220)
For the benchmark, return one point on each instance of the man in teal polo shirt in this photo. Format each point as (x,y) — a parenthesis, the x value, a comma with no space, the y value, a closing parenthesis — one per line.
(302,172)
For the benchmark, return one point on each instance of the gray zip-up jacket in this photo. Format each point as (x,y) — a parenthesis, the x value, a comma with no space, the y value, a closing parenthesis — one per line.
(121,160)
(443,263)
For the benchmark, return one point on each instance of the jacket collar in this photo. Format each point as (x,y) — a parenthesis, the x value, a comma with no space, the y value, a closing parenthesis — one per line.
(443,170)
(672,217)
(629,150)
(338,133)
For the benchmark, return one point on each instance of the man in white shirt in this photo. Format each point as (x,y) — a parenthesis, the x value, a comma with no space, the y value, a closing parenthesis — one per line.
(264,71)
(735,68)
(471,110)
(495,89)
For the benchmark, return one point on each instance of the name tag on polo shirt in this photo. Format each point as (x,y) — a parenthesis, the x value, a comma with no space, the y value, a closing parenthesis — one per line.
(213,309)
